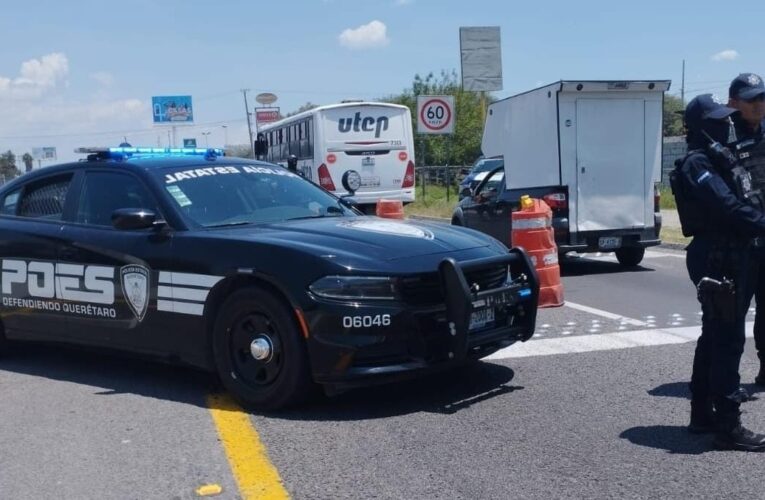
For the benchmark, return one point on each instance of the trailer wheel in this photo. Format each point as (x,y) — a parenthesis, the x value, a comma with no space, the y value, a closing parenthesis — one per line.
(259,354)
(630,256)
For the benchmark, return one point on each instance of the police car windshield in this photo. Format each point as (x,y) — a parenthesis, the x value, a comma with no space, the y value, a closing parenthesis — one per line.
(230,195)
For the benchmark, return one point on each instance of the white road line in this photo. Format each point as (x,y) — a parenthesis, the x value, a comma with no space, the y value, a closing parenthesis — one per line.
(604,342)
(605,314)
(610,257)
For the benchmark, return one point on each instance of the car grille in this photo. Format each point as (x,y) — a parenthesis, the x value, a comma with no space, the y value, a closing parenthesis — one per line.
(425,289)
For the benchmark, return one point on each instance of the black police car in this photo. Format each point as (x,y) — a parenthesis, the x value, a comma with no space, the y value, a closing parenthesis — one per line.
(247,269)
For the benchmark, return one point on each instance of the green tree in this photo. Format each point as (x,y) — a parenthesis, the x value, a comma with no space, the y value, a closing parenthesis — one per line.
(8,168)
(304,107)
(673,116)
(239,151)
(28,162)
(464,145)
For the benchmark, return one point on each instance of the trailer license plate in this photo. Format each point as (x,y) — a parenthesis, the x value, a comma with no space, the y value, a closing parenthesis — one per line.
(609,242)
(481,318)
(368,161)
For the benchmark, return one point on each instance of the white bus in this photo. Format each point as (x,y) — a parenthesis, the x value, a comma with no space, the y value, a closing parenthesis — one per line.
(373,138)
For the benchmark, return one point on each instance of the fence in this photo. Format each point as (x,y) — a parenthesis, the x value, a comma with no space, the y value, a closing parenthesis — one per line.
(436,175)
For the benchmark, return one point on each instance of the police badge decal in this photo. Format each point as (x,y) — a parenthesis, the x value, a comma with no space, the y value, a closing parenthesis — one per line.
(135,288)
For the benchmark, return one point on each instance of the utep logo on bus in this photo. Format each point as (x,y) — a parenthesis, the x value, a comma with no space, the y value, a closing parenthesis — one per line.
(367,124)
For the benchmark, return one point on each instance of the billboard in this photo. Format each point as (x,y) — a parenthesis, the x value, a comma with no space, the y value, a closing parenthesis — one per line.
(481,58)
(45,153)
(266,115)
(172,109)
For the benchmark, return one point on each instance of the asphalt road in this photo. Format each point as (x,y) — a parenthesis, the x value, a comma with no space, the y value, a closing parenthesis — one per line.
(594,406)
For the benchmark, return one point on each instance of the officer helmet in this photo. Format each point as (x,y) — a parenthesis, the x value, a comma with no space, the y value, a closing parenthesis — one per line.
(705,113)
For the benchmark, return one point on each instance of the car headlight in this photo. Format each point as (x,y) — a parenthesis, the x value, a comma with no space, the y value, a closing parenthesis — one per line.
(355,288)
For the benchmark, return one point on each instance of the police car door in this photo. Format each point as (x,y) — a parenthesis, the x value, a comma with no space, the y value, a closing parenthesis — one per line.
(30,232)
(114,270)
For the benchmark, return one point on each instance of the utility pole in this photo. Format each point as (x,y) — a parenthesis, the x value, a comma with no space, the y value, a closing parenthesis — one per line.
(682,86)
(249,125)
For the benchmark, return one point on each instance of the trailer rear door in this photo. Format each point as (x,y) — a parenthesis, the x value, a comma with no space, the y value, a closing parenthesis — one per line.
(610,159)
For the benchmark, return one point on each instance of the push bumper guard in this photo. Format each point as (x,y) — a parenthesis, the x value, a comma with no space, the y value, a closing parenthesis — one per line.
(463,298)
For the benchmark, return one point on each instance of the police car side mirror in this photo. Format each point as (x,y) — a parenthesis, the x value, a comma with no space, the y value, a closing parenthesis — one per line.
(135,218)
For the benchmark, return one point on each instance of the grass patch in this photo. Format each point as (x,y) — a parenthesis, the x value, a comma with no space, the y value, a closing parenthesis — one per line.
(673,235)
(667,200)
(433,203)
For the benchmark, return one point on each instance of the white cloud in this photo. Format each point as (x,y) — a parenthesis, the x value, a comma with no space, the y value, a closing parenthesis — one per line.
(365,36)
(36,76)
(104,78)
(725,55)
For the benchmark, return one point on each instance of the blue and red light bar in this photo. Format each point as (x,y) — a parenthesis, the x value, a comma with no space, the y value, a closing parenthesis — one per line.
(131,151)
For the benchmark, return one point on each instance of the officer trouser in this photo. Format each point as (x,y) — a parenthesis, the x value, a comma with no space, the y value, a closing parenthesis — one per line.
(759,315)
(721,344)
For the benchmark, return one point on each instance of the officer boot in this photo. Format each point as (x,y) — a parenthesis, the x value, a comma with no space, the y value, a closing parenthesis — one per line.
(731,434)
(702,417)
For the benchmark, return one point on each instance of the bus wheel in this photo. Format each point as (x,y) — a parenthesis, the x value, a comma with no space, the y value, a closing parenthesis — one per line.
(259,354)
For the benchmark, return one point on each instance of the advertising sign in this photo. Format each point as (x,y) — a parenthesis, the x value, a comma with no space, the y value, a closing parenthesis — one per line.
(435,114)
(189,143)
(266,115)
(45,153)
(172,109)
(266,98)
(481,58)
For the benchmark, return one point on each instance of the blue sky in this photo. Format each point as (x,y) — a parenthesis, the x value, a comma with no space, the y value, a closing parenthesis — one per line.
(83,72)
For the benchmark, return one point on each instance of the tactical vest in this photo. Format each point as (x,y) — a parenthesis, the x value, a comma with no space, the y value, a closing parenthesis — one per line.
(689,210)
(694,216)
(750,154)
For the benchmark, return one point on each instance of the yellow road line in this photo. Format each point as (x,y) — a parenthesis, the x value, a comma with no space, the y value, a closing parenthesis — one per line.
(255,475)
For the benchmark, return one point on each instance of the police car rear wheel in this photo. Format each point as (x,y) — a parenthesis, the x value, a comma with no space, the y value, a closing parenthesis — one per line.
(630,257)
(260,356)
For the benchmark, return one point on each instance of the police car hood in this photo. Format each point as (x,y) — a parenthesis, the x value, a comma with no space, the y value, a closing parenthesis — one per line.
(371,237)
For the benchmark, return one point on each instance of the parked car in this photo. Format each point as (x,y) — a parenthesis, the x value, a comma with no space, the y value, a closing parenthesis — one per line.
(488,208)
(249,270)
(477,173)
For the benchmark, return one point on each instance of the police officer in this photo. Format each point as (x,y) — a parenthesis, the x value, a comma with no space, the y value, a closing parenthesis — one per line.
(710,203)
(747,94)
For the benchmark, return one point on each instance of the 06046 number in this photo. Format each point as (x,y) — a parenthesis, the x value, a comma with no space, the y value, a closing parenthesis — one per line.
(366,321)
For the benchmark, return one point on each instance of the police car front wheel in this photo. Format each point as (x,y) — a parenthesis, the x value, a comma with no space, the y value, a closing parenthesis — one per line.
(259,354)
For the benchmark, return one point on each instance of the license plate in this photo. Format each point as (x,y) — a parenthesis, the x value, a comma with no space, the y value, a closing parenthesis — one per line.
(370,181)
(609,242)
(368,161)
(481,318)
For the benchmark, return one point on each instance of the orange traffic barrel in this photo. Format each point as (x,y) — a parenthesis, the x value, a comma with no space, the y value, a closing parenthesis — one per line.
(532,230)
(390,209)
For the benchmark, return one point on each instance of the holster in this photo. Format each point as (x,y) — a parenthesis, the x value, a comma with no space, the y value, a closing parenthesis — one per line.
(718,298)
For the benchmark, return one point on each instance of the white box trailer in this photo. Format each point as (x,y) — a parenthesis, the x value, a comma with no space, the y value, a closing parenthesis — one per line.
(592,149)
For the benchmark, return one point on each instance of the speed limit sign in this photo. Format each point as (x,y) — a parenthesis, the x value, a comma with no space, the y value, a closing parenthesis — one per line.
(435,114)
